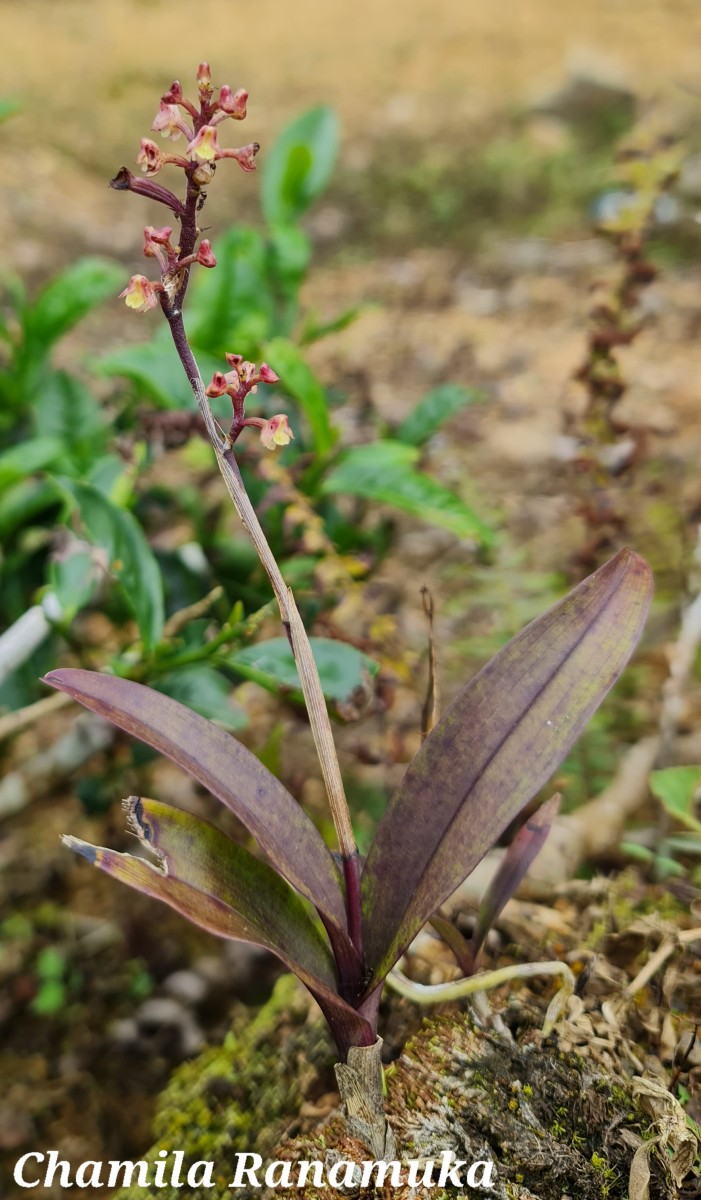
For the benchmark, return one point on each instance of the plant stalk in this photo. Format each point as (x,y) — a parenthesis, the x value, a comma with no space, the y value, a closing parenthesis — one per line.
(294,628)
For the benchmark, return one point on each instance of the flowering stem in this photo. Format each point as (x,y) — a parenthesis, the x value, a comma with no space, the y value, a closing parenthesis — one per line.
(292,622)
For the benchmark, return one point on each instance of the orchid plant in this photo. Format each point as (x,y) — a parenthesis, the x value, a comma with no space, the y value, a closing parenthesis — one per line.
(339,925)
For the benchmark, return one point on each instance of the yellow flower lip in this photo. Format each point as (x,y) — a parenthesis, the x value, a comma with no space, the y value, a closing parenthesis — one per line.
(204,145)
(276,432)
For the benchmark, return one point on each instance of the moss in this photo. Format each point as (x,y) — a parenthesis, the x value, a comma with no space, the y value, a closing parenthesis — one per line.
(238,1096)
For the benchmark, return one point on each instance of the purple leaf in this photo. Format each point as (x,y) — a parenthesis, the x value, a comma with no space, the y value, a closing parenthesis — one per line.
(220,886)
(524,849)
(496,745)
(235,776)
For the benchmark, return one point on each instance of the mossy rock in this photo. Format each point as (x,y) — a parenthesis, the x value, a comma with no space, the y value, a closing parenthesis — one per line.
(555,1124)
(241,1096)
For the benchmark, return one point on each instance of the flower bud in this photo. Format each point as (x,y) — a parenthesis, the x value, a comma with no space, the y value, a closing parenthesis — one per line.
(203,174)
(204,75)
(267,375)
(234,360)
(205,256)
(276,432)
(174,95)
(218,385)
(160,236)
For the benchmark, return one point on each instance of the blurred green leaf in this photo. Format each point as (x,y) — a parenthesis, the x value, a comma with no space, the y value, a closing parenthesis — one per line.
(50,998)
(299,166)
(430,413)
(25,501)
(206,691)
(33,455)
(156,370)
(301,384)
(290,252)
(664,867)
(73,580)
(313,330)
(677,788)
(385,472)
(64,408)
(342,668)
(232,307)
(66,300)
(8,108)
(131,560)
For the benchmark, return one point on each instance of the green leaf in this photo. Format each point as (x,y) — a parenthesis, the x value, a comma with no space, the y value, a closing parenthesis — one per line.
(66,300)
(206,691)
(313,330)
(73,580)
(64,408)
(232,307)
(385,472)
(302,385)
(156,370)
(678,789)
(493,749)
(438,406)
(25,501)
(299,166)
(342,668)
(290,252)
(23,460)
(130,557)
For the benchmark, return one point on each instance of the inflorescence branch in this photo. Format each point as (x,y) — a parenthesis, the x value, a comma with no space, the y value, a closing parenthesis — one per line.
(178,117)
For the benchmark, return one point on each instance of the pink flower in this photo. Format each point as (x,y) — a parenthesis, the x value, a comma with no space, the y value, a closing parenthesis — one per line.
(218,386)
(233,103)
(169,122)
(267,375)
(276,432)
(204,144)
(245,155)
(204,75)
(157,244)
(174,95)
(205,256)
(141,294)
(149,157)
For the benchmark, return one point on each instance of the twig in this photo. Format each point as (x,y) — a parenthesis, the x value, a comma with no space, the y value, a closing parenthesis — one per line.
(89,736)
(664,951)
(200,608)
(26,634)
(681,664)
(429,712)
(15,722)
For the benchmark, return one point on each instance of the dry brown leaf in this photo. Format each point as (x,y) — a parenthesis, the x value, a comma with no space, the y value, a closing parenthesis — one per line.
(669,1119)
